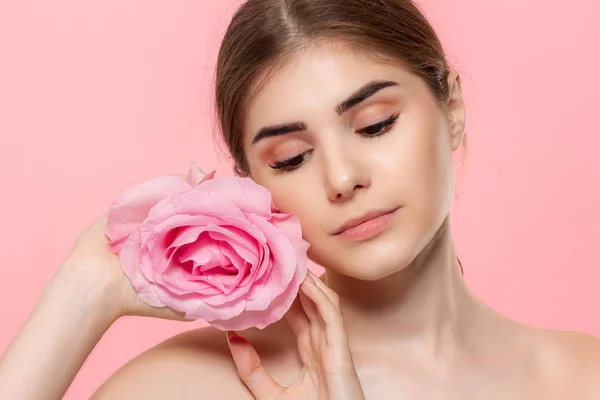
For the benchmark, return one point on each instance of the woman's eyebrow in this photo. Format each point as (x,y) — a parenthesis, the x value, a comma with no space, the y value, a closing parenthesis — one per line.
(356,98)
(278,130)
(362,94)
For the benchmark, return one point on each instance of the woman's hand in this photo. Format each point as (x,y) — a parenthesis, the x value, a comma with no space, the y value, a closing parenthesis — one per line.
(86,295)
(328,371)
(92,257)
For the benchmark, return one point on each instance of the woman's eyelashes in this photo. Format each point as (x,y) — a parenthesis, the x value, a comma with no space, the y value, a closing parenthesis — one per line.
(370,131)
(379,128)
(291,163)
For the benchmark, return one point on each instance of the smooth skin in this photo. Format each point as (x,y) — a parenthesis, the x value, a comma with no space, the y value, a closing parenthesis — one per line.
(391,318)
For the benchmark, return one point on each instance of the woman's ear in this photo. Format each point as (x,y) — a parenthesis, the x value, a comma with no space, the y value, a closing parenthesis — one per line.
(456,111)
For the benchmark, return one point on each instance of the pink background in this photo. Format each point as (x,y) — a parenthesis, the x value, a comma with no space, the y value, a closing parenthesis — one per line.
(96,96)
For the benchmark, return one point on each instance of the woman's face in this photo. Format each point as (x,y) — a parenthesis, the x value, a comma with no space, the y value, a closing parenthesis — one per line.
(340,139)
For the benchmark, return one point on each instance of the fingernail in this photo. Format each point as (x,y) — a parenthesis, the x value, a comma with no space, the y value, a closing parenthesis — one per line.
(310,279)
(233,337)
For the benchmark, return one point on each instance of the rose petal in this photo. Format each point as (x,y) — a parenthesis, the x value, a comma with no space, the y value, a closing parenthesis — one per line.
(255,258)
(229,252)
(130,262)
(179,283)
(169,227)
(289,225)
(133,205)
(261,319)
(205,254)
(193,203)
(196,176)
(249,197)
(244,244)
(195,307)
(284,263)
(171,274)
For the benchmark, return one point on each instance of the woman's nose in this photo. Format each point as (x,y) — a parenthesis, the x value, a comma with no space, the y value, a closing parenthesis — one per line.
(345,174)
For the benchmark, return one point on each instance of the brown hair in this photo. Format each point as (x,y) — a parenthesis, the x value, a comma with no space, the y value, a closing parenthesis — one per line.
(264,33)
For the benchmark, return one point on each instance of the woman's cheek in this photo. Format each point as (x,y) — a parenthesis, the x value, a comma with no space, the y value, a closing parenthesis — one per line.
(293,197)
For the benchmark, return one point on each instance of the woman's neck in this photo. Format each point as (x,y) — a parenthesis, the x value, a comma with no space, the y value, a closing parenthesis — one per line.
(426,307)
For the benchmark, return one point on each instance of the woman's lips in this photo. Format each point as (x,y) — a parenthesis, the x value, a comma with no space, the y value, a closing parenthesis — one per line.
(367,226)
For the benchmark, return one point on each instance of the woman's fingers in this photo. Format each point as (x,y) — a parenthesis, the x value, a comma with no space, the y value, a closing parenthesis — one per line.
(308,306)
(296,317)
(251,370)
(327,310)
(304,311)
(333,296)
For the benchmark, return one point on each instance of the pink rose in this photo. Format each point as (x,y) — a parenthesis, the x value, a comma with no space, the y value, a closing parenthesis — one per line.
(213,249)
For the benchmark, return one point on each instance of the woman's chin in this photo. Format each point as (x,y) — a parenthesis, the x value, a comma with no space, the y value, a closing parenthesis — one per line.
(369,261)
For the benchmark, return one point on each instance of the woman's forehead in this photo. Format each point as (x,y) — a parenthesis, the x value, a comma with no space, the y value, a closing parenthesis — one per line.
(312,79)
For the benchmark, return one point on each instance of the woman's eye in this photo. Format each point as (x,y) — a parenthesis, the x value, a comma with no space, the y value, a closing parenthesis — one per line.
(371,131)
(290,163)
(379,128)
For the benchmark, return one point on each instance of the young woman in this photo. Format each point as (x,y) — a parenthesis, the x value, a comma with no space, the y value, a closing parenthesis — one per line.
(347,111)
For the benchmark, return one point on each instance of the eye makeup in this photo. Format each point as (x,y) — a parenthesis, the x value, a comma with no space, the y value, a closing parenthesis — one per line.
(371,131)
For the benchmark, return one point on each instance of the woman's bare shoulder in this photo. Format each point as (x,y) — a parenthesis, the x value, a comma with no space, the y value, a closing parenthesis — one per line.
(193,365)
(197,364)
(571,362)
